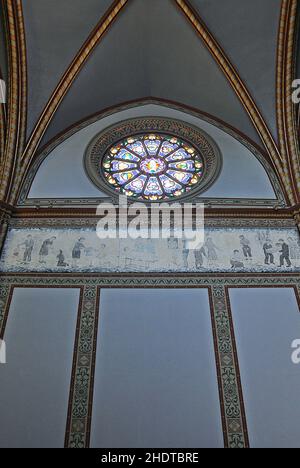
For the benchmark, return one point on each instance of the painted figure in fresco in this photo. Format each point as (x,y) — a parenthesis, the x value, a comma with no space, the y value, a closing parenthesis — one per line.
(128,260)
(44,251)
(77,249)
(90,254)
(247,251)
(104,258)
(199,257)
(61,260)
(28,244)
(173,246)
(140,245)
(285,254)
(211,250)
(262,237)
(294,249)
(269,252)
(172,243)
(236,260)
(185,254)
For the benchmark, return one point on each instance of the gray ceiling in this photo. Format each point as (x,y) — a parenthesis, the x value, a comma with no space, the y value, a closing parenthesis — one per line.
(247,30)
(55,31)
(151,51)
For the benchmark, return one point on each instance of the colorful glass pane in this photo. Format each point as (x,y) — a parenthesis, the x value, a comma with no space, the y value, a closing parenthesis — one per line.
(138,148)
(153,187)
(182,177)
(124,177)
(152,146)
(169,185)
(153,167)
(179,155)
(122,166)
(183,166)
(167,148)
(137,185)
(125,154)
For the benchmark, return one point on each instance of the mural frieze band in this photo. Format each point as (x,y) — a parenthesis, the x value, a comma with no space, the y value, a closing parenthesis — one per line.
(71,250)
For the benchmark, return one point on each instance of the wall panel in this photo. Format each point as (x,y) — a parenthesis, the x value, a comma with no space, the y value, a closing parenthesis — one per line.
(155,382)
(35,382)
(266,322)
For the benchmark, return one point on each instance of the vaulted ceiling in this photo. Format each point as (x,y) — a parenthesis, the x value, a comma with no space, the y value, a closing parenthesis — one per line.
(70,59)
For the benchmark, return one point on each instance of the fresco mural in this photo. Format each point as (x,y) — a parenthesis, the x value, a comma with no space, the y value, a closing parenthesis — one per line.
(80,250)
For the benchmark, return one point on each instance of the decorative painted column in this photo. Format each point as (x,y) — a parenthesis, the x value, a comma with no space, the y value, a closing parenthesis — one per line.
(5,215)
(233,410)
(82,385)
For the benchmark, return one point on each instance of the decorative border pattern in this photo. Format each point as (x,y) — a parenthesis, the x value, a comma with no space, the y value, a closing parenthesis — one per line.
(199,139)
(12,105)
(210,222)
(5,293)
(17,98)
(2,128)
(23,76)
(234,417)
(82,384)
(151,280)
(2,105)
(5,217)
(81,391)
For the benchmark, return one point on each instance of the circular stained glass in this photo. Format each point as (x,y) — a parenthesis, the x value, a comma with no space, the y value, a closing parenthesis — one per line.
(153,159)
(152,167)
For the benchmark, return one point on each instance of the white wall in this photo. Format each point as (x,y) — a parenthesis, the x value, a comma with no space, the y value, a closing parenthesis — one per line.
(62,174)
(156,382)
(266,322)
(35,382)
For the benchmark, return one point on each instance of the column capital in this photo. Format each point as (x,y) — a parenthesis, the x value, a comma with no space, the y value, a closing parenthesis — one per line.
(6,212)
(296,215)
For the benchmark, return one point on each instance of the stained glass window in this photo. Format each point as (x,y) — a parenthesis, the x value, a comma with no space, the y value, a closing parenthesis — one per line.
(153,167)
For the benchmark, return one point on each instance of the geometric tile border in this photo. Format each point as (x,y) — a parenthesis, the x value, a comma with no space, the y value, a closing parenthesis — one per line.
(82,384)
(234,417)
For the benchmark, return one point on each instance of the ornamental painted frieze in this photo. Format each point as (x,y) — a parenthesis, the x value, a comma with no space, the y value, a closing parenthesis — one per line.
(227,250)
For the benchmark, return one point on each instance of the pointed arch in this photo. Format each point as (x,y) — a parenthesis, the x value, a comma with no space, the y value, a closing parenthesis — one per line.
(239,87)
(65,84)
(2,129)
(2,104)
(259,152)
(17,95)
(286,109)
